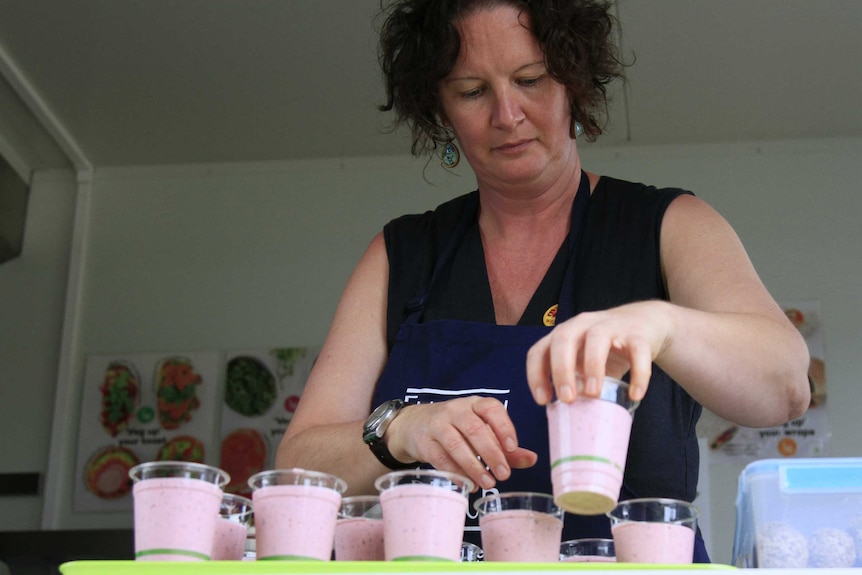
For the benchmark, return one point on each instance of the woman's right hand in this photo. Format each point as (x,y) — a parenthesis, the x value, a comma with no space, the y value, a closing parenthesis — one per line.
(472,436)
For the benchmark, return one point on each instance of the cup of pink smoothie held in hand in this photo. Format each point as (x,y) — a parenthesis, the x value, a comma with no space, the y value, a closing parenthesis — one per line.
(424,511)
(654,530)
(359,529)
(592,550)
(295,511)
(232,528)
(589,440)
(176,506)
(520,526)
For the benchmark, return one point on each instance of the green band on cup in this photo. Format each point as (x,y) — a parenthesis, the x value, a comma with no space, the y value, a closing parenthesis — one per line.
(287,558)
(184,552)
(593,458)
(421,558)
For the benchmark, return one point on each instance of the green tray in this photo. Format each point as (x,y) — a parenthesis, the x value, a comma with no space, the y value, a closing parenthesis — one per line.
(336,567)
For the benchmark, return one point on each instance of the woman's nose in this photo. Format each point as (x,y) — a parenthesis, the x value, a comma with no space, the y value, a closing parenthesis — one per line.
(507,112)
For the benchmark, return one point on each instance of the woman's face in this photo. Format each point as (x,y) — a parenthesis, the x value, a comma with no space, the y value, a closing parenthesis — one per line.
(510,116)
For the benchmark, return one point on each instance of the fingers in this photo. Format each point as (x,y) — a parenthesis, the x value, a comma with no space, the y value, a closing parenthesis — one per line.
(539,371)
(473,436)
(640,353)
(590,347)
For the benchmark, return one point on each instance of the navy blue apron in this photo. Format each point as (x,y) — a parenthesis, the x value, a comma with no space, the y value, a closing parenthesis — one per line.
(444,359)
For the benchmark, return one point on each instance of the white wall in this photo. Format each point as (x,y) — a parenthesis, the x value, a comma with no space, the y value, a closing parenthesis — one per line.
(32,294)
(215,257)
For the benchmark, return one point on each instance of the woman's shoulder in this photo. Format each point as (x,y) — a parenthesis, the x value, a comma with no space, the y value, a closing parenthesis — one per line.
(614,188)
(414,227)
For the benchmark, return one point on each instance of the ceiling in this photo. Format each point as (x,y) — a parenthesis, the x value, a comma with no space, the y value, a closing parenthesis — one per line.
(152,82)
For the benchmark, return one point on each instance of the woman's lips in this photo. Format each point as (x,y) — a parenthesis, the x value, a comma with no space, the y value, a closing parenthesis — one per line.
(513,147)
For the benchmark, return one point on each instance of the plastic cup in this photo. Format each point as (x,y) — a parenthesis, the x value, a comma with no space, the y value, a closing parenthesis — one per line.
(176,505)
(359,529)
(589,440)
(294,513)
(424,511)
(232,525)
(654,530)
(249,552)
(520,526)
(470,552)
(588,550)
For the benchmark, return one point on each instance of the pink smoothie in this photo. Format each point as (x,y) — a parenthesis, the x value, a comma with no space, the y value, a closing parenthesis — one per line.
(520,535)
(648,542)
(175,518)
(359,539)
(229,541)
(588,440)
(422,522)
(295,521)
(589,559)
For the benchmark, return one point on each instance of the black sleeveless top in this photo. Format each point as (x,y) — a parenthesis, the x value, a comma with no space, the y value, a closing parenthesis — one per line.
(617,262)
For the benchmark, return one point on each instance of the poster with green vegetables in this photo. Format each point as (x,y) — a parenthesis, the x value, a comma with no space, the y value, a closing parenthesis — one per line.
(139,407)
(261,393)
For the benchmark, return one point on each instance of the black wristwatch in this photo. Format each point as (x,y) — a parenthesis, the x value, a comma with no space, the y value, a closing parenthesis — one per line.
(374,428)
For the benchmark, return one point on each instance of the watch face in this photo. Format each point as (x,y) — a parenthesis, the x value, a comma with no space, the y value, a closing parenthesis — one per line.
(372,428)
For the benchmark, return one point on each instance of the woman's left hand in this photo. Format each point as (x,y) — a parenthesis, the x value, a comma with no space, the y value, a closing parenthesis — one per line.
(592,345)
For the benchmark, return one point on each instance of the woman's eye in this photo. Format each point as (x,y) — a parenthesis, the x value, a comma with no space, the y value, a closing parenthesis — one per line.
(529,81)
(474,93)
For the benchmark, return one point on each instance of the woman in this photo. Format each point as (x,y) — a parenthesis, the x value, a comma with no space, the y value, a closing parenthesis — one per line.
(446,308)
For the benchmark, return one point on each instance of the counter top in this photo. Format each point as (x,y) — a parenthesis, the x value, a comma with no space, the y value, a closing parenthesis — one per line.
(346,567)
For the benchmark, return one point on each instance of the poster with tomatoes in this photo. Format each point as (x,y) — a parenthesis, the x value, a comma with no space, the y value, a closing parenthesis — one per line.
(137,408)
(261,393)
(806,436)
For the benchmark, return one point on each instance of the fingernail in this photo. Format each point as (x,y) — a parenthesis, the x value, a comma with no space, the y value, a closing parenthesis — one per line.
(510,444)
(567,394)
(541,396)
(501,472)
(486,481)
(592,386)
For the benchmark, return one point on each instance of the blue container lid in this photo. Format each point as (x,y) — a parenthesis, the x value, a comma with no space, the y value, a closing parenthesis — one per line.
(812,475)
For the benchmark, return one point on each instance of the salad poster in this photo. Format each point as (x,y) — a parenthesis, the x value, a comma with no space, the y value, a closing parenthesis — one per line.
(223,409)
(261,393)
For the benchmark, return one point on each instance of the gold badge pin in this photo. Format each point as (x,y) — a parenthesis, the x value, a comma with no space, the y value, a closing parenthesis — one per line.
(550,317)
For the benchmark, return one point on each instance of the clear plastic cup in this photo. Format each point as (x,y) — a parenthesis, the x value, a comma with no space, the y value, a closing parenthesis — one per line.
(589,440)
(176,506)
(294,513)
(520,526)
(424,511)
(235,516)
(359,529)
(654,530)
(590,550)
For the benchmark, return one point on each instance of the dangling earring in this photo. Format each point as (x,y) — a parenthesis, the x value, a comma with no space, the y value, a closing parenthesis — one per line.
(450,155)
(579,129)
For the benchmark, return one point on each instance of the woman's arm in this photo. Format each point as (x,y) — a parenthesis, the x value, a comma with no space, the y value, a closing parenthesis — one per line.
(721,336)
(325,433)
(731,345)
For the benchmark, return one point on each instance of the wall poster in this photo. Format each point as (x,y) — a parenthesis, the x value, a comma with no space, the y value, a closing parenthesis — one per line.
(806,436)
(227,409)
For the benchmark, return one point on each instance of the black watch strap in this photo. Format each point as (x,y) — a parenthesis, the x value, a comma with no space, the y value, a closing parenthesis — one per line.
(381,451)
(374,429)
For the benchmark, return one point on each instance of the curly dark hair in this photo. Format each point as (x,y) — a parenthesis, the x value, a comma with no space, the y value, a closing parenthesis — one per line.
(419,44)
